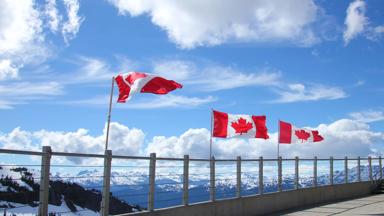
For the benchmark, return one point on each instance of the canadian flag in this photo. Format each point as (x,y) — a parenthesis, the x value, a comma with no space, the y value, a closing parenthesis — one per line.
(290,134)
(133,82)
(228,125)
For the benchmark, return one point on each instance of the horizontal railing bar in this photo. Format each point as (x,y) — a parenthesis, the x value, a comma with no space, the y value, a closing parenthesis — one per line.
(11,151)
(130,157)
(67,154)
(199,160)
(250,160)
(171,159)
(225,160)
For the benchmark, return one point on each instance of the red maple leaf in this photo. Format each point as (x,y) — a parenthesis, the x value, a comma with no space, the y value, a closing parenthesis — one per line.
(302,134)
(241,126)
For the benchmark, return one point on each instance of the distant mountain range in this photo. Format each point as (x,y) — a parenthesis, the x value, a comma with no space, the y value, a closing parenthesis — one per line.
(132,186)
(80,193)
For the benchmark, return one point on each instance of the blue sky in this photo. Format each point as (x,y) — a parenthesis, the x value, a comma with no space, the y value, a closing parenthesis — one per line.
(311,63)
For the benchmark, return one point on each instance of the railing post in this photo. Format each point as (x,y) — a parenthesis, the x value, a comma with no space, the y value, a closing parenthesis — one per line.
(106,183)
(346,170)
(358,169)
(279,174)
(315,172)
(44,180)
(186,180)
(261,177)
(212,188)
(370,168)
(296,172)
(238,172)
(152,173)
(381,168)
(331,170)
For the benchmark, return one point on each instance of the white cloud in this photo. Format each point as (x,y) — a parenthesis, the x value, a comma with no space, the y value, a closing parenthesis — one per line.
(341,138)
(359,83)
(355,21)
(54,18)
(379,29)
(7,70)
(344,137)
(214,78)
(375,33)
(24,92)
(175,69)
(90,70)
(221,78)
(158,101)
(20,34)
(208,23)
(24,28)
(19,25)
(300,92)
(72,25)
(30,89)
(368,116)
(123,140)
(171,101)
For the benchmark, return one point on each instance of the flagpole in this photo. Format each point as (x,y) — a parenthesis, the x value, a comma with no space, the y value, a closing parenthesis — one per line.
(210,141)
(278,140)
(109,114)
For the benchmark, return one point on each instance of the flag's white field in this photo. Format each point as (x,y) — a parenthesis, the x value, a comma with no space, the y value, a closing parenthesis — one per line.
(288,134)
(134,82)
(246,126)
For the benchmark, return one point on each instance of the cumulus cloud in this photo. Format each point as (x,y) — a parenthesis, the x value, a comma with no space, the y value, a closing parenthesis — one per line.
(24,26)
(123,140)
(208,23)
(344,137)
(20,35)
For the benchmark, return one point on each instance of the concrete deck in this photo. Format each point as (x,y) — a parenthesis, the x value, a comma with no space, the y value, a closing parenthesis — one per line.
(370,205)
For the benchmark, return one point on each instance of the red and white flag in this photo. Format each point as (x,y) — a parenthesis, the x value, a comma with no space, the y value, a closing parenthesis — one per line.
(228,125)
(133,82)
(290,134)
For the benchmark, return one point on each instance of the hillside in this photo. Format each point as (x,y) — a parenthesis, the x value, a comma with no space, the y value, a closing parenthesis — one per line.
(19,193)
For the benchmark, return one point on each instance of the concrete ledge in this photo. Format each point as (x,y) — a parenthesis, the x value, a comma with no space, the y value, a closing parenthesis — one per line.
(267,203)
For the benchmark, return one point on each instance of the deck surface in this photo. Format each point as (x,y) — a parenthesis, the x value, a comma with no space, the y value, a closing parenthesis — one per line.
(370,205)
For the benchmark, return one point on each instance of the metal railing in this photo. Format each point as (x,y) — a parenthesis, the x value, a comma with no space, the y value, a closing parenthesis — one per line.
(289,168)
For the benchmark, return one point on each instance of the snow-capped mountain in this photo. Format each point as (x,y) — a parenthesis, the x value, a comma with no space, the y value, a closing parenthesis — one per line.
(132,186)
(19,194)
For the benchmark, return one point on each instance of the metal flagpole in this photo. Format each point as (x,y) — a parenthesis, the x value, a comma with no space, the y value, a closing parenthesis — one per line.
(109,114)
(278,140)
(210,141)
